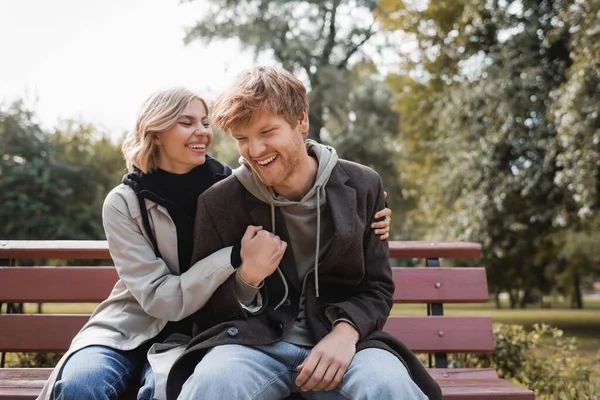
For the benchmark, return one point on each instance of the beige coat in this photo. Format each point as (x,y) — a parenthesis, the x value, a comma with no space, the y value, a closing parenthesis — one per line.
(150,291)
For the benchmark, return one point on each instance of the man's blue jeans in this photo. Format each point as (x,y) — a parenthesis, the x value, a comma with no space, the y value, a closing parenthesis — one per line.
(99,372)
(269,373)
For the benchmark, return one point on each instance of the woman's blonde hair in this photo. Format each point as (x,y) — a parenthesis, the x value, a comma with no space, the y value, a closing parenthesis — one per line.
(159,113)
(256,89)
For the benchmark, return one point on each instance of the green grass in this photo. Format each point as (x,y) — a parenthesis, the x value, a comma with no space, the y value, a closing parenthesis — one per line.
(586,320)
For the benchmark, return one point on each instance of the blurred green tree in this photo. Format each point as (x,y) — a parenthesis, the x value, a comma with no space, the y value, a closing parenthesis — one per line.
(52,184)
(575,112)
(481,94)
(330,44)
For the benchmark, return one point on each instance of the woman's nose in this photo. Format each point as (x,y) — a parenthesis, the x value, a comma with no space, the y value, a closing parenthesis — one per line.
(201,130)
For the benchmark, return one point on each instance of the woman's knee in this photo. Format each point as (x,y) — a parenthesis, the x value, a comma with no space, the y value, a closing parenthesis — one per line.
(94,372)
(83,386)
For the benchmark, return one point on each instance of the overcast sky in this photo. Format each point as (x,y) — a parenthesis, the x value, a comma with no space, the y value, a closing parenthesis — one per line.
(97,60)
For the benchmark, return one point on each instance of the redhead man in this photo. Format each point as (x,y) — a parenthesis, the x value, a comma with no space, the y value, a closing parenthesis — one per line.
(312,323)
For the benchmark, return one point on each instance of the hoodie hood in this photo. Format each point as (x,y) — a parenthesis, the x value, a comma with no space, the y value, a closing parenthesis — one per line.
(313,199)
(327,158)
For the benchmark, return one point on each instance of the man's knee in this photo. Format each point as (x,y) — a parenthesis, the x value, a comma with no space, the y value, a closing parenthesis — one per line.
(214,383)
(379,374)
(393,386)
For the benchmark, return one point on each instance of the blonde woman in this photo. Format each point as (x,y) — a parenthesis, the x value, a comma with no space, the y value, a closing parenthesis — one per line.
(134,336)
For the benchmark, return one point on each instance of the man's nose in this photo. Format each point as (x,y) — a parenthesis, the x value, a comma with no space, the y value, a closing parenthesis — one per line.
(256,147)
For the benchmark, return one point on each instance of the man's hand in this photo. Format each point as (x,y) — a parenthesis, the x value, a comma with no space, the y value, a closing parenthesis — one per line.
(383,227)
(261,253)
(328,361)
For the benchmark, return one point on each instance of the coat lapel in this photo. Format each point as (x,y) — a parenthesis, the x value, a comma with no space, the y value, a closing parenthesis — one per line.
(260,213)
(342,205)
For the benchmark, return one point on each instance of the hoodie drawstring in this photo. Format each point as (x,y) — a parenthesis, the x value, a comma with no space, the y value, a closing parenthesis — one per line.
(318,245)
(285,285)
(318,240)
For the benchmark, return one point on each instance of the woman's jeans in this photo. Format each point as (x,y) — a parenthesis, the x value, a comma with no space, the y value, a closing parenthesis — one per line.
(100,372)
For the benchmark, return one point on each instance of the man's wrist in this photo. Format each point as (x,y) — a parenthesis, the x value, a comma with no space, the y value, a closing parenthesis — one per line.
(250,280)
(345,328)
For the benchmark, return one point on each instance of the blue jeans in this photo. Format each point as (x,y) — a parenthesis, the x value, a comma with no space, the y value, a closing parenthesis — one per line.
(269,372)
(100,372)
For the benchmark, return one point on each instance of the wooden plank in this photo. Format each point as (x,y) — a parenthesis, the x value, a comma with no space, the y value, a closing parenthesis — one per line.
(56,284)
(483,389)
(24,373)
(19,394)
(443,334)
(462,373)
(26,384)
(20,332)
(39,332)
(55,249)
(440,285)
(408,249)
(93,284)
(41,374)
(98,249)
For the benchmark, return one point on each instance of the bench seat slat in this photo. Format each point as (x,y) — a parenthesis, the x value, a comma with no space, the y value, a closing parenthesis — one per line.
(483,389)
(465,384)
(440,285)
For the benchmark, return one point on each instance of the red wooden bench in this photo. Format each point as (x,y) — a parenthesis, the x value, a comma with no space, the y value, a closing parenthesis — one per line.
(433,333)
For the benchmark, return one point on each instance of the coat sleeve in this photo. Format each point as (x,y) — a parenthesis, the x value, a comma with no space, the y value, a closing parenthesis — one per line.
(159,292)
(223,304)
(370,304)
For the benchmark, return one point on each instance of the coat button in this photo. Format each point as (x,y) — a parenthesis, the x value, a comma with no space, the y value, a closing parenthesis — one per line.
(287,303)
(233,331)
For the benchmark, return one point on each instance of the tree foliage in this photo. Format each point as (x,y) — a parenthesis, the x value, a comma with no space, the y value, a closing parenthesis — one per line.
(493,127)
(329,44)
(52,185)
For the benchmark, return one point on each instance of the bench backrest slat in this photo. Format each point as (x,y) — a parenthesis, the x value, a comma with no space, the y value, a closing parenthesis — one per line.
(440,285)
(64,284)
(443,334)
(56,284)
(410,249)
(55,249)
(41,332)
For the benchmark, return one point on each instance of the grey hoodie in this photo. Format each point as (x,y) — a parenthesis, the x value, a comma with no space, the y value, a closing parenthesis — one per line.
(309,226)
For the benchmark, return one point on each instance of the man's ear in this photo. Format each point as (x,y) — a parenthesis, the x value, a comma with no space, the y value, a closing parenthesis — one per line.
(303,124)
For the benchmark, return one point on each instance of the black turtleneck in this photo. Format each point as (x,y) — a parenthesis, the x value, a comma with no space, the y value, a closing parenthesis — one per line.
(182,191)
(178,193)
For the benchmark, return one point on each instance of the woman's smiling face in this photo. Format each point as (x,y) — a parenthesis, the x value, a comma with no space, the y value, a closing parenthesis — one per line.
(185,145)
